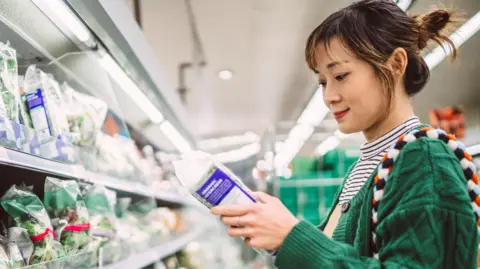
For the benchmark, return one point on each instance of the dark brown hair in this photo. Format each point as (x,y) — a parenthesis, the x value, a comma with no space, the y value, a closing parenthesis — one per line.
(373,29)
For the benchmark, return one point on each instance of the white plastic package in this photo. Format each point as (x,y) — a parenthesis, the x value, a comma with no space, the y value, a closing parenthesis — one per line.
(211,183)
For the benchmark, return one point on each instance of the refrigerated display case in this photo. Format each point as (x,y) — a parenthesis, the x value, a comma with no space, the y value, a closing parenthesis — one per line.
(71,78)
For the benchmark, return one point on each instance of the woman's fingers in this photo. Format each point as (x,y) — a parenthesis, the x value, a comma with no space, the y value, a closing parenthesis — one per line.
(232,210)
(231,221)
(262,197)
(240,231)
(239,221)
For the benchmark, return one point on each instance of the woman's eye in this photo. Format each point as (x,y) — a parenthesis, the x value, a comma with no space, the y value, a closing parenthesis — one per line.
(322,83)
(341,77)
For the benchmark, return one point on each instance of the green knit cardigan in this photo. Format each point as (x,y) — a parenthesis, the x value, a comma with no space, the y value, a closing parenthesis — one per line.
(425,220)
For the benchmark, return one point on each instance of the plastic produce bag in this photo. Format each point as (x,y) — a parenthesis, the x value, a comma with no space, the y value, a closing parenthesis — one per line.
(155,221)
(85,114)
(28,212)
(100,203)
(67,209)
(111,157)
(24,113)
(9,82)
(211,183)
(10,256)
(45,103)
(129,228)
(101,211)
(22,240)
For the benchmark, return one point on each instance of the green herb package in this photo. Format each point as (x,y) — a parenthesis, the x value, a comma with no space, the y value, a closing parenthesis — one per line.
(85,114)
(9,81)
(100,208)
(129,228)
(68,212)
(100,203)
(28,212)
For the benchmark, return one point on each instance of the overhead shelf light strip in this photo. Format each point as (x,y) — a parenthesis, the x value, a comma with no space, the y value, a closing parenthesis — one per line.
(465,32)
(131,89)
(175,137)
(311,117)
(69,19)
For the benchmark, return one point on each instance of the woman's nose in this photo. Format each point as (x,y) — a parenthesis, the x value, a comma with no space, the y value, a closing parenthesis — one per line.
(330,96)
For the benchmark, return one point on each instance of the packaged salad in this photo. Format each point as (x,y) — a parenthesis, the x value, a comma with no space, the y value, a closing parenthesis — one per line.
(9,81)
(68,212)
(10,256)
(28,212)
(100,204)
(24,113)
(85,114)
(101,210)
(156,221)
(45,103)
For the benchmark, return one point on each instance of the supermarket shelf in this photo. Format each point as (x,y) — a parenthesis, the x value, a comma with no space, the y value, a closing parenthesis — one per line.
(23,160)
(131,187)
(156,254)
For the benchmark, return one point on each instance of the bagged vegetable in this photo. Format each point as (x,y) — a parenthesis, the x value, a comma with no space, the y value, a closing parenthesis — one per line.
(111,158)
(101,210)
(22,240)
(24,113)
(85,114)
(129,228)
(100,204)
(68,212)
(9,81)
(45,103)
(10,256)
(157,221)
(28,212)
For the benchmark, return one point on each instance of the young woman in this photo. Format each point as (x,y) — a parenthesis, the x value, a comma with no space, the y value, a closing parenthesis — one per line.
(415,210)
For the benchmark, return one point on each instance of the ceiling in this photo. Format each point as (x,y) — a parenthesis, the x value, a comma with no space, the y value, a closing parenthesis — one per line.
(262,42)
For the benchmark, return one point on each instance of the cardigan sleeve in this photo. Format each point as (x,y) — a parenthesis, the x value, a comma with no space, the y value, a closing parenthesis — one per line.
(425,220)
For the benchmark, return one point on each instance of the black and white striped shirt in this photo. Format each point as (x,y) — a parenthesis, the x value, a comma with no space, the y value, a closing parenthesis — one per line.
(370,157)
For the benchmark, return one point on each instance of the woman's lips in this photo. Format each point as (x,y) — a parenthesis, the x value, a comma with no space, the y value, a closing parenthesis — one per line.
(340,114)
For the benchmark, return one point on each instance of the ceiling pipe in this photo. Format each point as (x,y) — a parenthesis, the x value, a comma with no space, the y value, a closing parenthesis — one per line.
(198,54)
(137,8)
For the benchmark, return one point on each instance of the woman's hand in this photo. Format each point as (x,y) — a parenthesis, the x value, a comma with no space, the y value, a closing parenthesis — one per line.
(263,225)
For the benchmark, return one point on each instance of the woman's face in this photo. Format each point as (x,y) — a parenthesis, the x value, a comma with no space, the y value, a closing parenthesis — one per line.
(351,90)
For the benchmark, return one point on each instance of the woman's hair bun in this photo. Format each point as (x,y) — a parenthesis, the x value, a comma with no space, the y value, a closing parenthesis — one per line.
(432,25)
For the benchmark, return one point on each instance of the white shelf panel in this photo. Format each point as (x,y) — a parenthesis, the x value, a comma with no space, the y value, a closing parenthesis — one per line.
(138,261)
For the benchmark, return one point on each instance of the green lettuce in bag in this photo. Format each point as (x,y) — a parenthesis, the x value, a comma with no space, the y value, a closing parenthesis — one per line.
(100,210)
(9,81)
(28,212)
(69,214)
(100,203)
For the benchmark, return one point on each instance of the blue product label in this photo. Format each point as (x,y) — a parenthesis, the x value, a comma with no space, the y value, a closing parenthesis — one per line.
(221,189)
(38,113)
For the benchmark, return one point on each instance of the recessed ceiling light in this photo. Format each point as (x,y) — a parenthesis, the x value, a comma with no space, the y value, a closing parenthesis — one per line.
(225,74)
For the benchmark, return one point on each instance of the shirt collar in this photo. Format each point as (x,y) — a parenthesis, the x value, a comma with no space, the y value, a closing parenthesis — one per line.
(381,144)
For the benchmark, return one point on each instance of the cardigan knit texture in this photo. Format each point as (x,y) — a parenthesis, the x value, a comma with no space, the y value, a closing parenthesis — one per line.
(425,220)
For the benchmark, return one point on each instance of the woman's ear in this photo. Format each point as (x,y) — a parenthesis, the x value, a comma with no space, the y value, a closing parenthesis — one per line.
(398,62)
